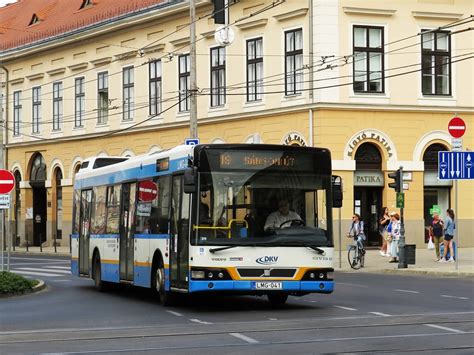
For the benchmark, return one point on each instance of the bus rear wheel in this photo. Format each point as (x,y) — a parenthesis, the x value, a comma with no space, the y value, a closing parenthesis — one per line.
(277,299)
(158,282)
(100,285)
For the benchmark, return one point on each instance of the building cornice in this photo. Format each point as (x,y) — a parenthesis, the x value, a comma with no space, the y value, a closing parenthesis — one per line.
(367,11)
(291,14)
(252,24)
(436,15)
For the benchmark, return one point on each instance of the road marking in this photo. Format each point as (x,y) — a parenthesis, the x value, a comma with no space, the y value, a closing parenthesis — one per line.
(175,313)
(199,321)
(350,284)
(61,280)
(59,267)
(43,269)
(346,308)
(380,314)
(444,328)
(459,298)
(272,318)
(245,338)
(42,259)
(35,273)
(407,291)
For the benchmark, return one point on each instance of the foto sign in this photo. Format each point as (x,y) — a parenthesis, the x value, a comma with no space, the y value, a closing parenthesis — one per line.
(7,181)
(455,165)
(4,202)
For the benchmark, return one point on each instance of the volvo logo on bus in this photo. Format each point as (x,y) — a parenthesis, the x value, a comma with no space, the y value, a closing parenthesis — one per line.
(267,260)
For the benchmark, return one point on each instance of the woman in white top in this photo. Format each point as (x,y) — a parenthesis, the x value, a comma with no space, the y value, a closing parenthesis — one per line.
(395,237)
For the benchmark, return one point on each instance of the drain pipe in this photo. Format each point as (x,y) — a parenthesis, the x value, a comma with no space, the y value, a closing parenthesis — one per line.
(310,74)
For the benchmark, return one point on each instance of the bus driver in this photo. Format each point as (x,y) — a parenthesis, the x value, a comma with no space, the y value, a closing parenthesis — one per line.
(277,219)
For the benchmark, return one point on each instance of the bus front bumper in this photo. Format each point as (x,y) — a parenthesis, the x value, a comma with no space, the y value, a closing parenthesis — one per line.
(250,286)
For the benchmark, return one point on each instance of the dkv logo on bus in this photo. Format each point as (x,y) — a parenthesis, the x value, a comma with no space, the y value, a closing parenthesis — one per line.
(267,260)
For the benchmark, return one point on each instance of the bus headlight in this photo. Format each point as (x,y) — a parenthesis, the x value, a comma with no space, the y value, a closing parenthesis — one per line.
(319,274)
(197,274)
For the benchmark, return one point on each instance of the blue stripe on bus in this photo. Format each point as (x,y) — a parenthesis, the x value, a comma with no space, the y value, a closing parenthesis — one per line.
(104,236)
(151,236)
(75,267)
(136,173)
(290,286)
(110,272)
(142,276)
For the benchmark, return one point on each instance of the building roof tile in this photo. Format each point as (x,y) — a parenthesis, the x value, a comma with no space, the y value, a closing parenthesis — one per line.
(57,17)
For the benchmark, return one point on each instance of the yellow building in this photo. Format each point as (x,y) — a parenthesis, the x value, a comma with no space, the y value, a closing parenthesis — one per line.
(346,75)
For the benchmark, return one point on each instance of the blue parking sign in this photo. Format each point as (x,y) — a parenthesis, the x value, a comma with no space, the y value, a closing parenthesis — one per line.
(191,141)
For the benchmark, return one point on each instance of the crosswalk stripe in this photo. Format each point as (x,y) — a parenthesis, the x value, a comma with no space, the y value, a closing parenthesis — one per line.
(44,269)
(59,267)
(35,273)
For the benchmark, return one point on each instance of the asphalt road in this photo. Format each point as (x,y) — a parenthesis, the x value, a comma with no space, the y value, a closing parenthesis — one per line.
(367,313)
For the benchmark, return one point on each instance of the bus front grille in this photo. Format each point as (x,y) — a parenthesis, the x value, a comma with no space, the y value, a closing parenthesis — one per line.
(266,272)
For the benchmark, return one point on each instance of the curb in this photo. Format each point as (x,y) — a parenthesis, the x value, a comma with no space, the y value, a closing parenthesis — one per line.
(40,286)
(429,272)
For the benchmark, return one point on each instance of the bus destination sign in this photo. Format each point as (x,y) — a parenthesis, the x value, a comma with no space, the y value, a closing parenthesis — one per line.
(256,160)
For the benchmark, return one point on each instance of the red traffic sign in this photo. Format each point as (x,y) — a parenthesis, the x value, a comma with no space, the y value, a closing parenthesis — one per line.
(456,127)
(147,191)
(7,181)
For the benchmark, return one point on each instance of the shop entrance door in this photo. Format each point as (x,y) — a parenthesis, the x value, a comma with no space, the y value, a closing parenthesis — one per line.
(368,204)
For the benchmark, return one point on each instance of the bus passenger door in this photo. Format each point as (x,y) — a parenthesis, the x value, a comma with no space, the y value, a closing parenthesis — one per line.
(179,253)
(84,231)
(127,213)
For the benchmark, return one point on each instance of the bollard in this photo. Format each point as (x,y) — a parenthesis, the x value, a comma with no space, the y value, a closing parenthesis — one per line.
(70,245)
(41,244)
(26,244)
(55,250)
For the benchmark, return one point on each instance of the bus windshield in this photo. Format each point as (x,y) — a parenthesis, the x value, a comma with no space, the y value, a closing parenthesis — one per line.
(272,207)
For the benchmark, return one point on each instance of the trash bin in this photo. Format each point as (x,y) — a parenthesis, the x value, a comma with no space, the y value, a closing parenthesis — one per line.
(410,253)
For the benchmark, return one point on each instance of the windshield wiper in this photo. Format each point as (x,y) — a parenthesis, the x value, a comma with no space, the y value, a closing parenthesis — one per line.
(213,250)
(318,250)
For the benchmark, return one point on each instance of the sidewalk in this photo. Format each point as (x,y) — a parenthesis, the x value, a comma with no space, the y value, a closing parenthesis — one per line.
(425,264)
(374,262)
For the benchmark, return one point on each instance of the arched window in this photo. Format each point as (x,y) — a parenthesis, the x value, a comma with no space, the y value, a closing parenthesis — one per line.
(430,157)
(38,169)
(368,157)
(17,206)
(59,204)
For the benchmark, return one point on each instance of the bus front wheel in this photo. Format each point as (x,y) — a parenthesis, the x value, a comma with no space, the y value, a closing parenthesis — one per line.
(166,298)
(277,299)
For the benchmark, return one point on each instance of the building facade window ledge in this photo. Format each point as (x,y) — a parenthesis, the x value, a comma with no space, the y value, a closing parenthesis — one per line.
(78,66)
(25,185)
(437,101)
(251,104)
(182,116)
(66,182)
(156,48)
(47,184)
(180,41)
(101,61)
(56,71)
(218,111)
(370,98)
(126,55)
(16,81)
(208,34)
(155,117)
(291,14)
(368,11)
(292,100)
(436,15)
(252,24)
(35,76)
(57,133)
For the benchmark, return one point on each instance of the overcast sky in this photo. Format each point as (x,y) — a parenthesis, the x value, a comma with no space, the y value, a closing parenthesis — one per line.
(3,2)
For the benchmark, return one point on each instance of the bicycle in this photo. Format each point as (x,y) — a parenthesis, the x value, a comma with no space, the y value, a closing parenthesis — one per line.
(356,255)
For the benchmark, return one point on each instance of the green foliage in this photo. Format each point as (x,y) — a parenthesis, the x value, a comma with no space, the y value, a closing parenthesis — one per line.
(14,284)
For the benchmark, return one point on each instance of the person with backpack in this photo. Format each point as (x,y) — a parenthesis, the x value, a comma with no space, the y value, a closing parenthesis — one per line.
(436,233)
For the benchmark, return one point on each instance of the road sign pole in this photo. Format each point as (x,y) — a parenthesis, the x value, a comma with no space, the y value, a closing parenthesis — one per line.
(456,232)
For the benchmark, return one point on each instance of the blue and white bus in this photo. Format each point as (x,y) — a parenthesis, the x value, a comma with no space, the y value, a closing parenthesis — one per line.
(192,220)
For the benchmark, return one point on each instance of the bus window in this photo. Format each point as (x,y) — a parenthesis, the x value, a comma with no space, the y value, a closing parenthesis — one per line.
(77,211)
(152,207)
(113,209)
(99,210)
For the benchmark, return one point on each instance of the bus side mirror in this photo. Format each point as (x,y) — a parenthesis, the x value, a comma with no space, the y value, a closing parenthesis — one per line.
(190,180)
(336,191)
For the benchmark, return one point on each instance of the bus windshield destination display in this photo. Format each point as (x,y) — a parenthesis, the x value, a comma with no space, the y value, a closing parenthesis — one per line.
(256,160)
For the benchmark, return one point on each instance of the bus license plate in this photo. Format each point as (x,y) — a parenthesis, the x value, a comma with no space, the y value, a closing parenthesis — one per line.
(268,285)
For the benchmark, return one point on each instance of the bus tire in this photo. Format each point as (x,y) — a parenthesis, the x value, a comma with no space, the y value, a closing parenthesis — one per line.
(277,299)
(158,284)
(100,285)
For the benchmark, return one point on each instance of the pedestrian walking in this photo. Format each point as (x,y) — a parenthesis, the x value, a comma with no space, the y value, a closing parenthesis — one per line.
(384,220)
(448,237)
(395,233)
(436,233)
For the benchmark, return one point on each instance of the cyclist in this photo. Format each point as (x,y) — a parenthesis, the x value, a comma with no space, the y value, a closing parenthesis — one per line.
(357,231)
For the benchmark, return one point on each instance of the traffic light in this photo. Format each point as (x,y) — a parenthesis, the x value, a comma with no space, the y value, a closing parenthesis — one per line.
(397,176)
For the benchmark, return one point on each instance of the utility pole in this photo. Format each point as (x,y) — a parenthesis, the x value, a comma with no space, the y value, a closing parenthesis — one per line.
(2,217)
(193,86)
(402,260)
